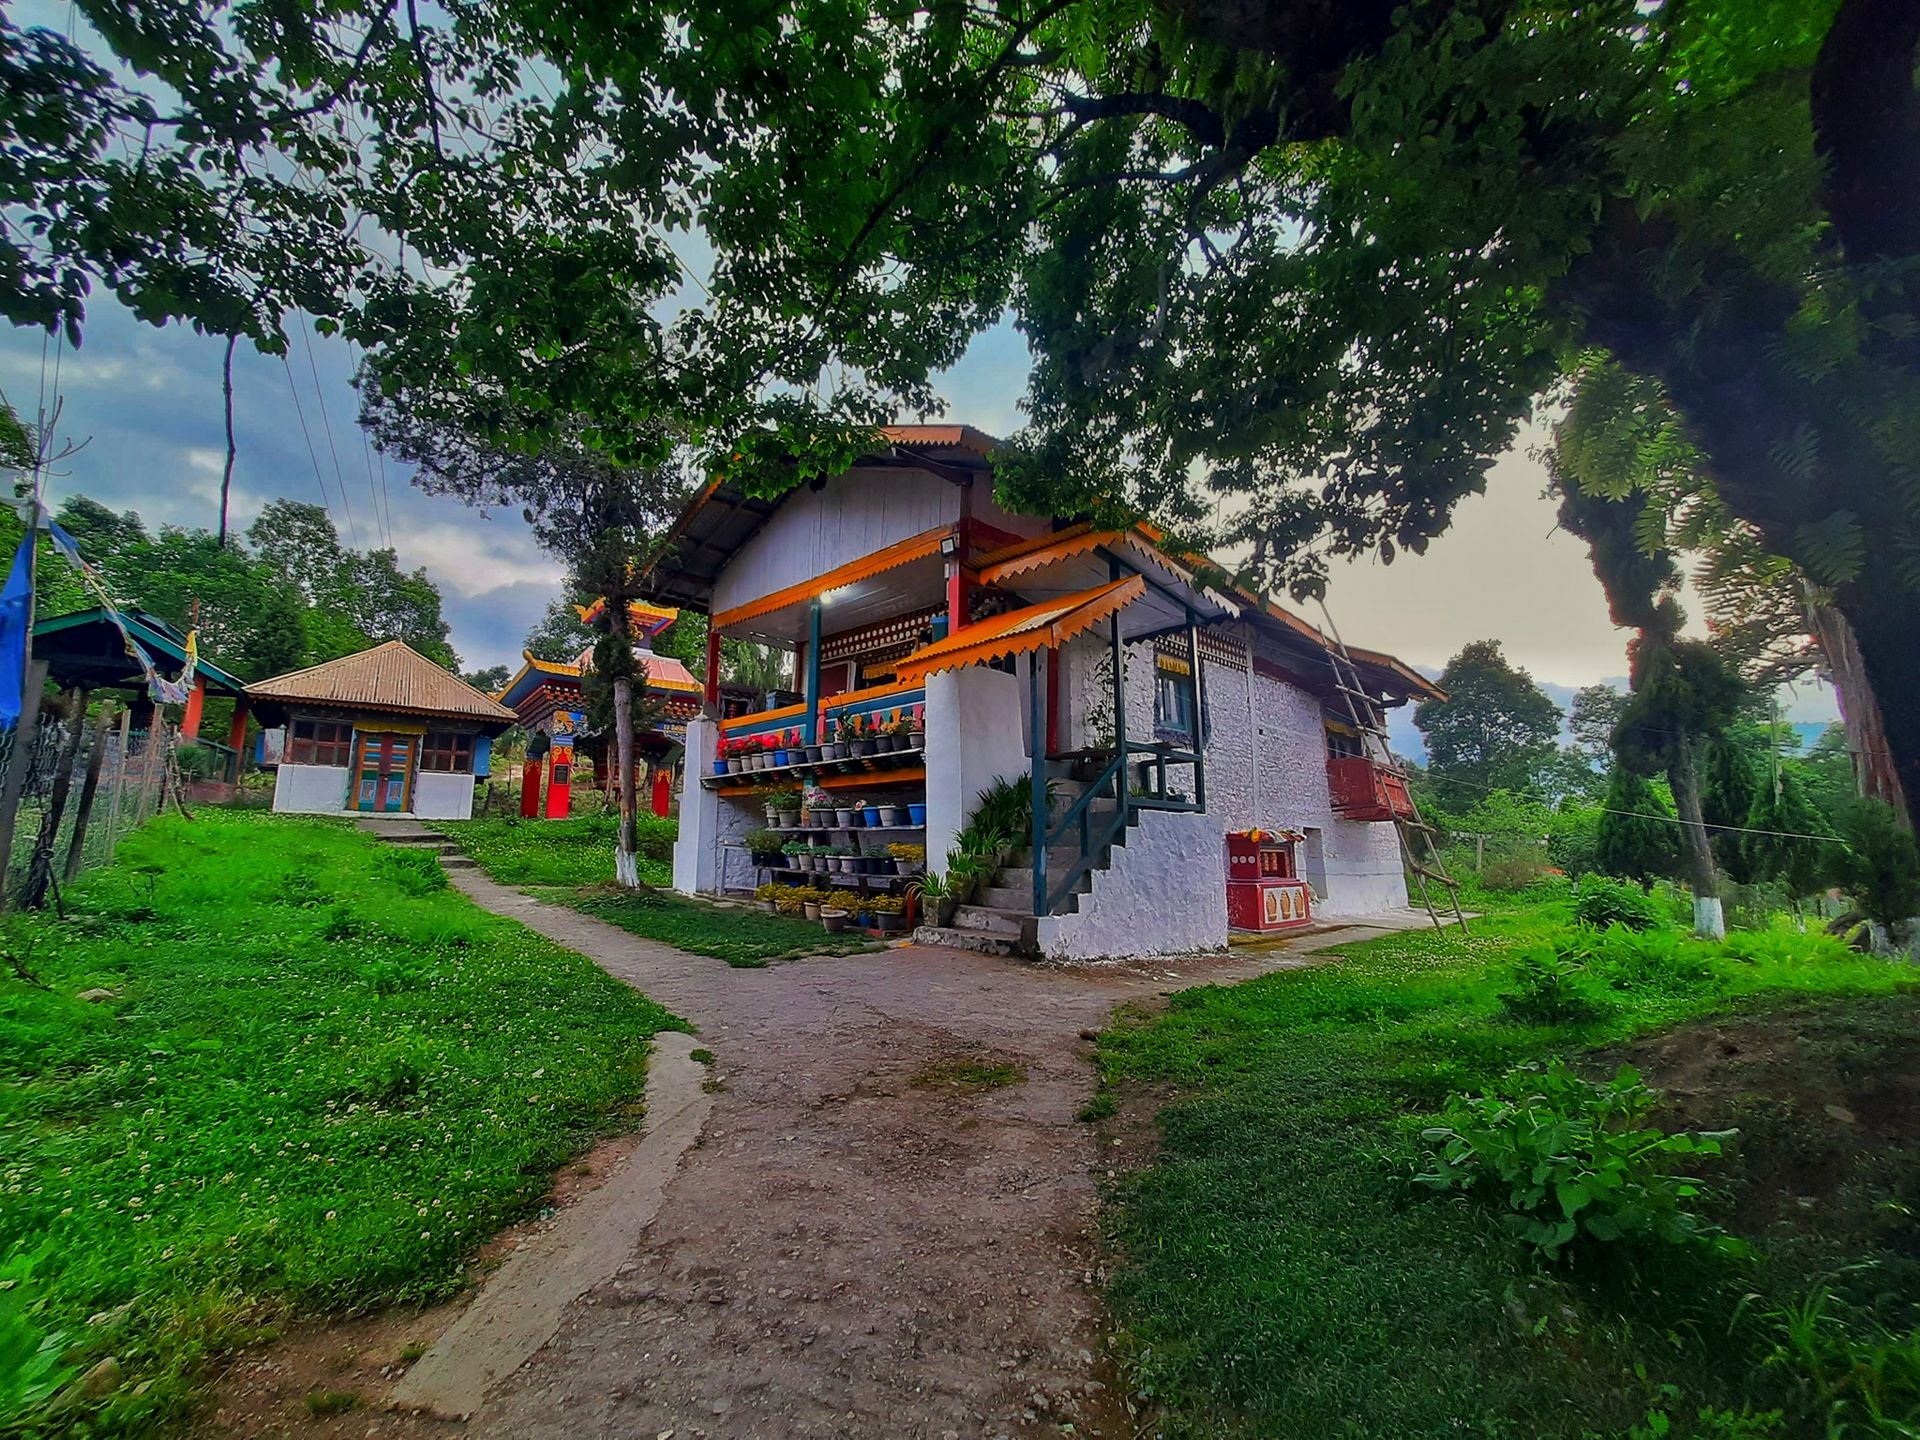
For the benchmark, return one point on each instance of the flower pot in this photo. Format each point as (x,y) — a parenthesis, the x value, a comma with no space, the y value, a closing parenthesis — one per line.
(892,814)
(719,767)
(846,819)
(780,757)
(765,860)
(834,920)
(917,740)
(812,909)
(892,922)
(813,754)
(860,749)
(772,907)
(916,814)
(941,910)
(871,816)
(790,819)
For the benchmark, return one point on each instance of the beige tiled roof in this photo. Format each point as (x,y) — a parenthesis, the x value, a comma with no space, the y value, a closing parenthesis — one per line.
(392,676)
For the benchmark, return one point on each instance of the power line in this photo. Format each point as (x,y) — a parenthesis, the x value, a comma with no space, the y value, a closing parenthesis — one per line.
(305,434)
(319,399)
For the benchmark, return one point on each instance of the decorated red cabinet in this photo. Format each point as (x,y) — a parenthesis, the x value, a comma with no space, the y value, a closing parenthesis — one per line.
(1264,891)
(1363,789)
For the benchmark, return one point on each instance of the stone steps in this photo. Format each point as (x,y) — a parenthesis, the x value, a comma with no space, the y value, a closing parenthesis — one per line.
(983,942)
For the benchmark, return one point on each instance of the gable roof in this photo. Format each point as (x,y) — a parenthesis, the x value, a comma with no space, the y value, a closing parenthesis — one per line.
(393,676)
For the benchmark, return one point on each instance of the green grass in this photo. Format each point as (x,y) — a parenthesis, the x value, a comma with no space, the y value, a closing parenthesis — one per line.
(969,1073)
(1280,1278)
(561,852)
(322,1079)
(745,939)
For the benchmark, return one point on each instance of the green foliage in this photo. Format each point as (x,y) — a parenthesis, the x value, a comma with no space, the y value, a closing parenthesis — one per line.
(1880,866)
(1600,902)
(1495,730)
(31,1366)
(1855,1378)
(1567,1158)
(1549,989)
(279,1113)
(1775,847)
(1635,836)
(1573,839)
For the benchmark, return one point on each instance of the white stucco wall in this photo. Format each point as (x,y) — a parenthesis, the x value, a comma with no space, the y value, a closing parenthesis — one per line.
(1267,766)
(1165,893)
(438,795)
(976,734)
(310,789)
(850,516)
(702,862)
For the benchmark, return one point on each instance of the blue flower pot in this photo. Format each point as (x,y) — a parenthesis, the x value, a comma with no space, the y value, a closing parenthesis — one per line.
(871,817)
(719,767)
(782,757)
(916,814)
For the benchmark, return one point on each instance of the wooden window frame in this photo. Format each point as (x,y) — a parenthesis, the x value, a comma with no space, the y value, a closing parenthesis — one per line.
(453,747)
(335,749)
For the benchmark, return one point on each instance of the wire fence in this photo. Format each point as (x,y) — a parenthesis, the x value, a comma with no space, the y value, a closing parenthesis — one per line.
(84,790)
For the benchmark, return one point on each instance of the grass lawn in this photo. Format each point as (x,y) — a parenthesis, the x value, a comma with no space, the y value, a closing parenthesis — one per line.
(320,1080)
(745,939)
(1279,1277)
(560,852)
(577,856)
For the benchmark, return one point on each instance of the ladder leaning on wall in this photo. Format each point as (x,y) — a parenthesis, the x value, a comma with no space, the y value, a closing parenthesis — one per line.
(1418,852)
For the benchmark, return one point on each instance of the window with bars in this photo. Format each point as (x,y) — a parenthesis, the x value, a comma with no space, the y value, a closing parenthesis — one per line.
(320,742)
(447,752)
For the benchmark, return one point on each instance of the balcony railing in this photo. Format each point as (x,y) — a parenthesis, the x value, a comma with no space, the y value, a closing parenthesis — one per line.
(1364,789)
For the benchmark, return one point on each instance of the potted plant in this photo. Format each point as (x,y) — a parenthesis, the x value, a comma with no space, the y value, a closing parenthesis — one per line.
(812,903)
(893,815)
(763,847)
(870,815)
(885,740)
(769,897)
(783,806)
(908,857)
(793,849)
(917,728)
(847,814)
(834,920)
(916,814)
(937,898)
(857,731)
(889,911)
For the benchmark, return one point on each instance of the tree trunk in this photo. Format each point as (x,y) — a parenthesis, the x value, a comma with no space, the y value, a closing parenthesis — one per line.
(626,864)
(1886,628)
(1709,919)
(1859,709)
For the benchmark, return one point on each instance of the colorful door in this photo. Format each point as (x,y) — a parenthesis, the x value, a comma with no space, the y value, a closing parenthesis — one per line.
(385,765)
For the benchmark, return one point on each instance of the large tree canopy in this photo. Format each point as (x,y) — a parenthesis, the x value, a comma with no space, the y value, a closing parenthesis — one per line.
(1297,271)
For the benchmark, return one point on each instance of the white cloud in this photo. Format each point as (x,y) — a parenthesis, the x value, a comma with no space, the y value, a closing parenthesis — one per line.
(469,561)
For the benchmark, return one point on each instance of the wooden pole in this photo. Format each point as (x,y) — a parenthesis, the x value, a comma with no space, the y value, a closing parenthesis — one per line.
(89,788)
(119,782)
(40,869)
(18,763)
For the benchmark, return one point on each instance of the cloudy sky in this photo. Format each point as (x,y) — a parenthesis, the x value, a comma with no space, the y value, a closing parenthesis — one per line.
(146,403)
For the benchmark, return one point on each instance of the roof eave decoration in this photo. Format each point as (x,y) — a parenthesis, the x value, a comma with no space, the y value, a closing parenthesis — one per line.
(901,552)
(1035,627)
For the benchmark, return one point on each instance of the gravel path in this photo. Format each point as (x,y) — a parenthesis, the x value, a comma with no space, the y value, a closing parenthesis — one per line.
(854,1248)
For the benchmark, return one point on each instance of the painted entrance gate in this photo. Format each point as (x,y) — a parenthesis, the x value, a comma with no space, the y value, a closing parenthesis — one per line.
(383,770)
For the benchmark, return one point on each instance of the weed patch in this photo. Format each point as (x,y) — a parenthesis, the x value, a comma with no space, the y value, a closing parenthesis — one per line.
(570,852)
(745,939)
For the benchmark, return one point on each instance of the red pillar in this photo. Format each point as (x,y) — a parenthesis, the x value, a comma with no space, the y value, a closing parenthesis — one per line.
(530,790)
(237,734)
(662,793)
(196,701)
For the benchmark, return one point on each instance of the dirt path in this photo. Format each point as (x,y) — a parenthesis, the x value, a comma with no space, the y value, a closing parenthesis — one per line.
(857,1246)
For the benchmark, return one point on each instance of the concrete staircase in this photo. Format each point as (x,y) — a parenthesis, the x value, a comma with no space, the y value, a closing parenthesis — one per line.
(999,919)
(412,835)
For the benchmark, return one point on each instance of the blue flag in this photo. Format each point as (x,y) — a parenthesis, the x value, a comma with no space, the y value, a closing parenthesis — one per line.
(15,616)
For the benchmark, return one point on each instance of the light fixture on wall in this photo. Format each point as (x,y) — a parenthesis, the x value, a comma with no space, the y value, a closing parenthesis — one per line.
(949,545)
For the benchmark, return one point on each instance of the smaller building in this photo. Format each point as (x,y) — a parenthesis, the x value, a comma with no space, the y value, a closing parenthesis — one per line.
(382,732)
(549,700)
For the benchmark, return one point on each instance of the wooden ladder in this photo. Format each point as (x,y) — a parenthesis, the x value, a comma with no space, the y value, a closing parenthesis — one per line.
(1418,852)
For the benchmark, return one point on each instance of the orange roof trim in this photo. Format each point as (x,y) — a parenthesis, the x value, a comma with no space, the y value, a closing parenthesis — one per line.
(1034,627)
(901,552)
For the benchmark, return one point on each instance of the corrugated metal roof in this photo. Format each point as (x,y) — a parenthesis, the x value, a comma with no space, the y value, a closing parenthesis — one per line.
(393,676)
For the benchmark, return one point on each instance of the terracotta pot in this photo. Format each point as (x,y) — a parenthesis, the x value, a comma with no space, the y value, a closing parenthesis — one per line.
(812,909)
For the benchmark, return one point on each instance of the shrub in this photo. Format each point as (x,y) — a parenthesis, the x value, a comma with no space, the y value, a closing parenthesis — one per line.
(1548,988)
(415,872)
(1517,870)
(763,845)
(1781,944)
(1566,1157)
(1880,867)
(1658,960)
(1599,901)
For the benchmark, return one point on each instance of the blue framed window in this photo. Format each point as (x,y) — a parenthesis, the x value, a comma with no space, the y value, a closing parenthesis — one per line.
(1173,717)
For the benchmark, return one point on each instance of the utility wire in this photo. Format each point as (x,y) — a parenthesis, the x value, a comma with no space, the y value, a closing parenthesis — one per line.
(320,399)
(305,434)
